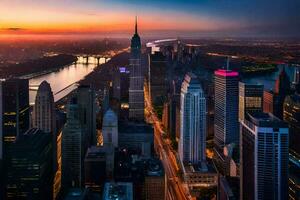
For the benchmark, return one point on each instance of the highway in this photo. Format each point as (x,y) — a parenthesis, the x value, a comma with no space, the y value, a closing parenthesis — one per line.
(176,188)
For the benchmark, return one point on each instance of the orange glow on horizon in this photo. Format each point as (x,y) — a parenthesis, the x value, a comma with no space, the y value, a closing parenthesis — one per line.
(41,19)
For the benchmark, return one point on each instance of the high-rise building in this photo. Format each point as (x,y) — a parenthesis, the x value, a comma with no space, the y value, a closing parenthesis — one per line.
(226,108)
(264,157)
(136,87)
(192,121)
(43,111)
(282,84)
(14,109)
(110,128)
(121,85)
(250,99)
(291,115)
(29,172)
(281,90)
(157,76)
(87,113)
(72,147)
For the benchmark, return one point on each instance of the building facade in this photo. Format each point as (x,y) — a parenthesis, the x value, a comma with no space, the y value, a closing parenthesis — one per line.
(263,157)
(14,109)
(192,143)
(87,113)
(250,99)
(72,147)
(30,173)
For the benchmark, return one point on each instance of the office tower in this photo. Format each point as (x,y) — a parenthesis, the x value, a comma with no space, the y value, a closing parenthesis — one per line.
(155,181)
(264,157)
(192,121)
(250,99)
(157,76)
(29,172)
(136,87)
(282,84)
(110,128)
(95,168)
(72,147)
(226,108)
(291,115)
(121,84)
(87,113)
(281,90)
(43,116)
(14,109)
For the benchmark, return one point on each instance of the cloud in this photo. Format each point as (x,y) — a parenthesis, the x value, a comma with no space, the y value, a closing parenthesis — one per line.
(13,29)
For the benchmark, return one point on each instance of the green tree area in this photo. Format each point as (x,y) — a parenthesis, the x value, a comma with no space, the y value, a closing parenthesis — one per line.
(259,68)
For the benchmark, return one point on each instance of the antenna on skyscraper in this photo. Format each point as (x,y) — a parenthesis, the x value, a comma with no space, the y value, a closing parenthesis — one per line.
(136,24)
(227,65)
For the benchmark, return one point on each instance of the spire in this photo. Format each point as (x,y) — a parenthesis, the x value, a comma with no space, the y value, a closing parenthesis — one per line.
(136,25)
(227,65)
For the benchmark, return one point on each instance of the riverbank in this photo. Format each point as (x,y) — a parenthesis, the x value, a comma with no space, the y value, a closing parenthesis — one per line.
(38,67)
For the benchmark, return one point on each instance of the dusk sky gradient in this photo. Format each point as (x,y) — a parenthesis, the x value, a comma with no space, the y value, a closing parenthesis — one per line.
(189,17)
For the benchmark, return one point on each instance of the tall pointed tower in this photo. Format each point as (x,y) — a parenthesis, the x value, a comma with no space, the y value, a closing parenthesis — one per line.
(136,88)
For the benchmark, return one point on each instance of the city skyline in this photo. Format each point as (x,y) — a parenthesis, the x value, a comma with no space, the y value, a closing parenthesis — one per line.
(177,18)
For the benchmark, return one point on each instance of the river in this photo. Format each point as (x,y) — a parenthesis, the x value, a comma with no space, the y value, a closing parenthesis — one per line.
(64,80)
(268,80)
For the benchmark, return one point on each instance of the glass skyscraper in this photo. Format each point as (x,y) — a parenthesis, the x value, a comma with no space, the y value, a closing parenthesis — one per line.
(192,143)
(264,157)
(226,124)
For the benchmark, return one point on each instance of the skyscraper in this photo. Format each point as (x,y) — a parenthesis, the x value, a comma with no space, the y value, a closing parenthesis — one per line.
(29,172)
(43,110)
(281,90)
(226,108)
(264,157)
(87,114)
(14,109)
(192,121)
(250,98)
(291,115)
(157,76)
(136,86)
(72,147)
(110,128)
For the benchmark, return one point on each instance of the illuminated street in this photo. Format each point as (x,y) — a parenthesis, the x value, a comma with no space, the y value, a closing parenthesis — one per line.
(176,189)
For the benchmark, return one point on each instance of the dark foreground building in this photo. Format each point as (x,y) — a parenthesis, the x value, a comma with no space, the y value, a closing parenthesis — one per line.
(30,162)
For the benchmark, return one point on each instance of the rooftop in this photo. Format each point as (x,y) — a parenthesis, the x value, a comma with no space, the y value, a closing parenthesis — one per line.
(118,191)
(226,73)
(95,153)
(76,194)
(154,168)
(135,127)
(266,120)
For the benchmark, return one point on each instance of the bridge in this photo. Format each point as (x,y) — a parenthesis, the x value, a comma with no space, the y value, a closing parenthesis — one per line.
(93,59)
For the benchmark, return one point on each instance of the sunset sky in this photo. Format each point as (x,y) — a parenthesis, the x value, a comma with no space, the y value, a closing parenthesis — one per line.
(236,17)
